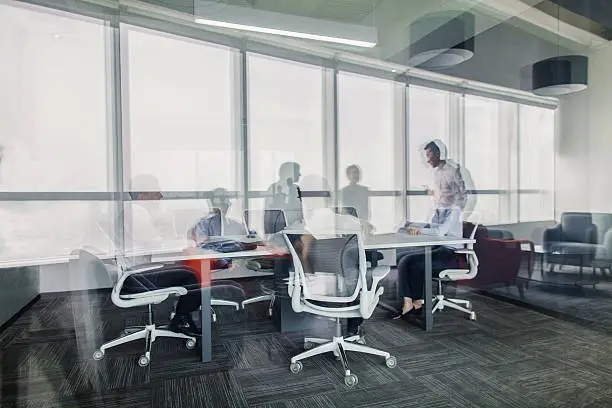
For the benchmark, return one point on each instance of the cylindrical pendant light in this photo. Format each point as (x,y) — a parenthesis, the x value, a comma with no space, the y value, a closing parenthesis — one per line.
(441,40)
(560,75)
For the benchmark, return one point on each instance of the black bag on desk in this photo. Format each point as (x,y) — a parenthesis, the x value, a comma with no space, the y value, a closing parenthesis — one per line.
(227,245)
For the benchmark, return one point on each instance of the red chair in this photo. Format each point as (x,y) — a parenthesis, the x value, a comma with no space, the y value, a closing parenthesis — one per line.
(500,260)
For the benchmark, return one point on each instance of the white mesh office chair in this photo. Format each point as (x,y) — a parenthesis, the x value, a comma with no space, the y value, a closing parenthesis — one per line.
(344,257)
(147,298)
(453,275)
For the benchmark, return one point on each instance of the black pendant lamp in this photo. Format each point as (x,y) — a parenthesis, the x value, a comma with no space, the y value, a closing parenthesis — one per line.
(450,43)
(560,75)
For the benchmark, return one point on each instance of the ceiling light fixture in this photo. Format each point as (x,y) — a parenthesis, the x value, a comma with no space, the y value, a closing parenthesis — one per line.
(441,40)
(560,75)
(216,14)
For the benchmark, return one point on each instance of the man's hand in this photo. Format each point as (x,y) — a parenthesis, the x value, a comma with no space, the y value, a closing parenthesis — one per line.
(414,231)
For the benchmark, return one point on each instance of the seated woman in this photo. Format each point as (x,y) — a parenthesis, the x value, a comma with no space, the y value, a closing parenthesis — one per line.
(411,267)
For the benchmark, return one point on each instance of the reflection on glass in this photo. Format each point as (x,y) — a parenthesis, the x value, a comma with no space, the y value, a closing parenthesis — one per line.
(285,102)
(181,111)
(53,101)
(536,167)
(41,229)
(429,118)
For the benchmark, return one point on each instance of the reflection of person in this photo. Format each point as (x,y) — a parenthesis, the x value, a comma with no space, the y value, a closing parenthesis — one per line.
(354,194)
(217,223)
(411,267)
(448,186)
(140,230)
(285,194)
(141,233)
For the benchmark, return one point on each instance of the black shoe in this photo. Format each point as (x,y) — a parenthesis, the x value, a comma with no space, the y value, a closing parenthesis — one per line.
(185,325)
(411,312)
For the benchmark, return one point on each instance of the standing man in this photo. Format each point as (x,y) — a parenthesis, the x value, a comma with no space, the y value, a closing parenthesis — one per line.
(448,187)
(285,194)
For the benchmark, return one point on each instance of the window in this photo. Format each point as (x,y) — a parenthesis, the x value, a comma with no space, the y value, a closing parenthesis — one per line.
(53,102)
(490,139)
(285,102)
(536,163)
(180,111)
(367,138)
(428,119)
(53,131)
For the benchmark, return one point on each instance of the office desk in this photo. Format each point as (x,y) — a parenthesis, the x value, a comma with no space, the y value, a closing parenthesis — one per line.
(206,257)
(399,240)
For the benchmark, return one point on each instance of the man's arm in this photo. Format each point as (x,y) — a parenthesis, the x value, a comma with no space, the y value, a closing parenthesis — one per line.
(444,228)
(461,191)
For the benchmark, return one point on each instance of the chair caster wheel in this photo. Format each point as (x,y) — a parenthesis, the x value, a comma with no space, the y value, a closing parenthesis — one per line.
(351,380)
(468,305)
(214,318)
(270,312)
(190,344)
(98,355)
(391,362)
(296,367)
(361,341)
(143,361)
(473,316)
(308,345)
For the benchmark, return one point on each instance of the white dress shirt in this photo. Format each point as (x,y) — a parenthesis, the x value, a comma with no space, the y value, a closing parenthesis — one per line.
(448,187)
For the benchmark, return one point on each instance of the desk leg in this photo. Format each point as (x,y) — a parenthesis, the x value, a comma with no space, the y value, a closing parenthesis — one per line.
(206,340)
(428,292)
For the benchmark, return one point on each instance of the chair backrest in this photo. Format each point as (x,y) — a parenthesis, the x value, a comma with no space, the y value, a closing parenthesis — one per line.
(574,226)
(475,221)
(340,256)
(346,211)
(272,220)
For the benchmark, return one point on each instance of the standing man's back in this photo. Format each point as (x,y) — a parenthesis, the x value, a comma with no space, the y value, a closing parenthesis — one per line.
(285,194)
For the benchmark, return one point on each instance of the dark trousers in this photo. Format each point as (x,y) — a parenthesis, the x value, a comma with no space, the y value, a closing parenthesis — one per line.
(168,277)
(411,270)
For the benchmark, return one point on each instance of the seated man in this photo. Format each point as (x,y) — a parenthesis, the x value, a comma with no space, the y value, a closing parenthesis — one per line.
(141,234)
(411,267)
(218,224)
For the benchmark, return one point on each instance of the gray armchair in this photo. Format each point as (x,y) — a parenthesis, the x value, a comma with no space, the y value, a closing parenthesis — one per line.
(571,242)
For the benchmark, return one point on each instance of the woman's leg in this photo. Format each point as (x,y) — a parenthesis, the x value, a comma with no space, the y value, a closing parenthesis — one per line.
(441,258)
(404,282)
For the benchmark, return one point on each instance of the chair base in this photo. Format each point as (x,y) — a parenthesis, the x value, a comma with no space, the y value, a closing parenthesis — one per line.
(339,346)
(465,306)
(149,333)
(262,298)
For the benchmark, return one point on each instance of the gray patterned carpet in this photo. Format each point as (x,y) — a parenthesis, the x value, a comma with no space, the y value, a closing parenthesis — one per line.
(510,357)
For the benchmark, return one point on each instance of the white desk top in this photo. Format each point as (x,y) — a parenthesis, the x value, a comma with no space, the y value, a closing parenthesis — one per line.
(399,240)
(200,254)
(21,263)
(168,254)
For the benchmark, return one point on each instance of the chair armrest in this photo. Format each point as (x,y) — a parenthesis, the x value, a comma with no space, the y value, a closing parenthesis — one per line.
(550,235)
(465,252)
(172,291)
(591,234)
(378,274)
(143,268)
